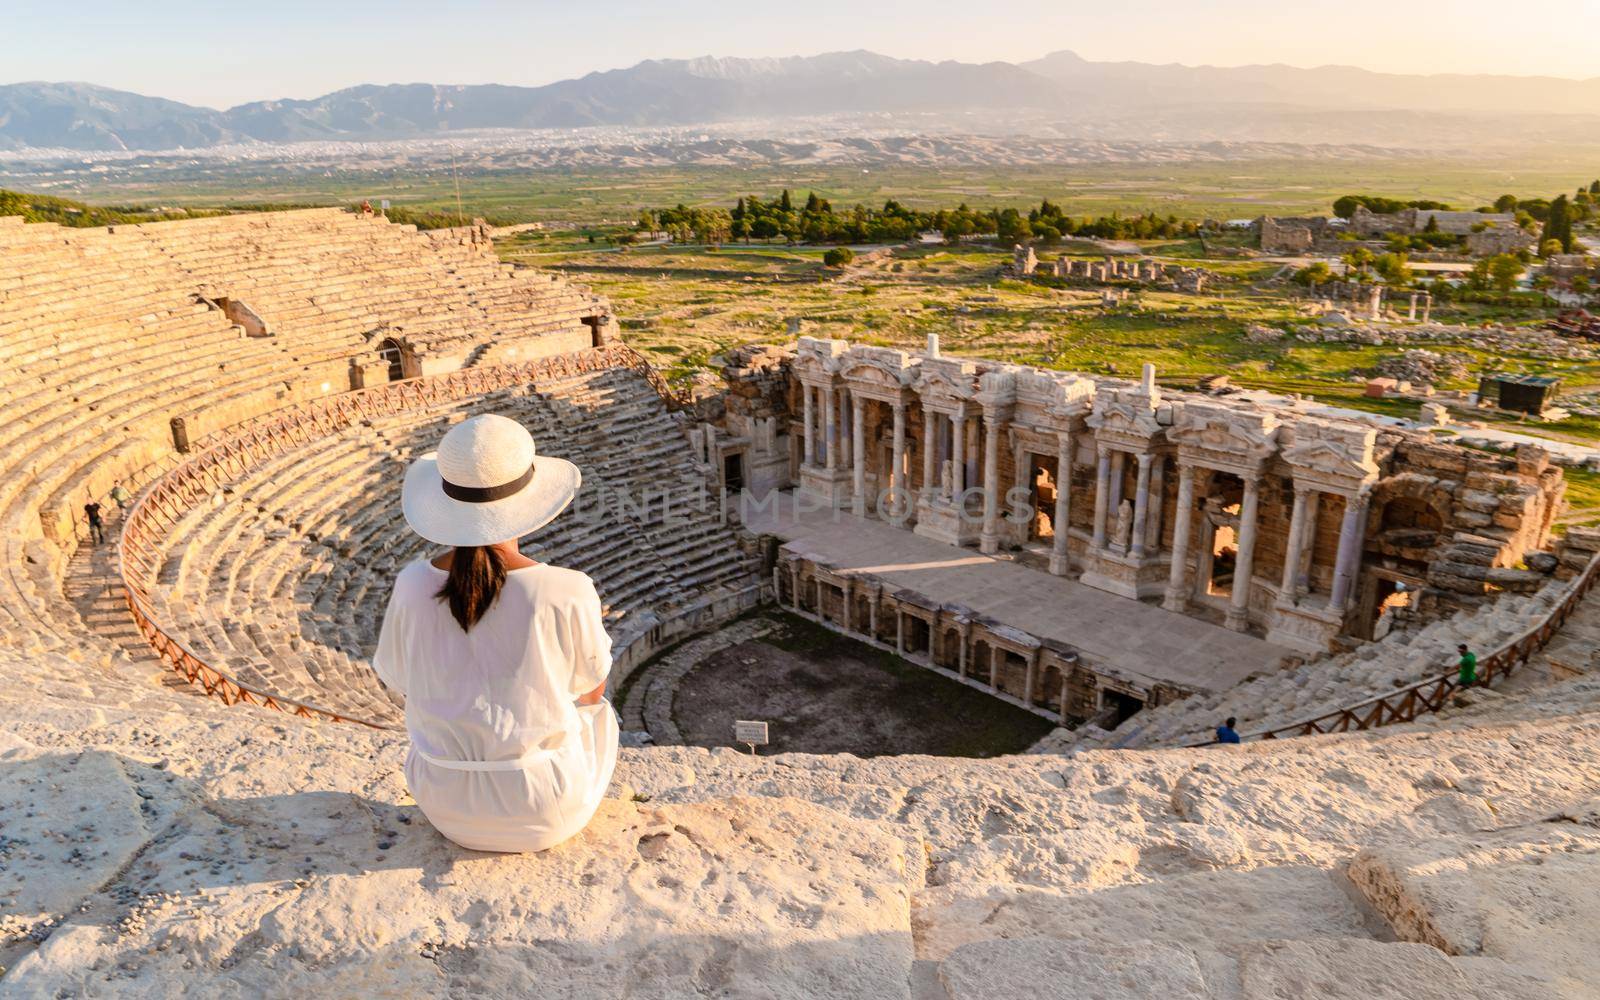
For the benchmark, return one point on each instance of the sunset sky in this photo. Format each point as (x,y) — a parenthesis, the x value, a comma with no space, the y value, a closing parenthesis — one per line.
(220,54)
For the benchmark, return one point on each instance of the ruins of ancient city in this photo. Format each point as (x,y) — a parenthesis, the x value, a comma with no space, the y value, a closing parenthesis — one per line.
(1022,603)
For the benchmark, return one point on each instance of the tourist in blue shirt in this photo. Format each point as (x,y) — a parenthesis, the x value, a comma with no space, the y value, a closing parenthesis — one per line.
(1226,733)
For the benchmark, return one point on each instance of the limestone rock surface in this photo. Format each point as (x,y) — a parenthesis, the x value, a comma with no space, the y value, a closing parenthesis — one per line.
(154,844)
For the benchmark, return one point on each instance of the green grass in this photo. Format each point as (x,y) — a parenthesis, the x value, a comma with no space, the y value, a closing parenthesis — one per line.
(1239,189)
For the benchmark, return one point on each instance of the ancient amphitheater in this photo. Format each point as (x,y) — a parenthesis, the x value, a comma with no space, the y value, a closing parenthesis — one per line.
(200,787)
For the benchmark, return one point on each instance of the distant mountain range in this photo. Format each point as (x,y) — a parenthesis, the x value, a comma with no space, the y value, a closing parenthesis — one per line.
(81,116)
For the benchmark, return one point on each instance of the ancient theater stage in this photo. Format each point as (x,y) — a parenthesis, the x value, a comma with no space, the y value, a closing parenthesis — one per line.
(1130,636)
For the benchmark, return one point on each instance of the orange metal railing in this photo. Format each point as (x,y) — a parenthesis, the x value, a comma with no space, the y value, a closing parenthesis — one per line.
(228,455)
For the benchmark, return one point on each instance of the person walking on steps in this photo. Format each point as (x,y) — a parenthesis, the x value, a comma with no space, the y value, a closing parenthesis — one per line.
(120,495)
(1466,667)
(1226,733)
(502,660)
(97,530)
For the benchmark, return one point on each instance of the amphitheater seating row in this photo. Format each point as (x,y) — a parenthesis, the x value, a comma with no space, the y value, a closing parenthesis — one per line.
(282,581)
(111,333)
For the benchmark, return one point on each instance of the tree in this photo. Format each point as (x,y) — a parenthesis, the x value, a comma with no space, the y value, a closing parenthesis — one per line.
(1594,187)
(1504,271)
(1558,226)
(1392,268)
(1506,203)
(1313,275)
(1549,248)
(785,203)
(1433,224)
(1359,259)
(838,257)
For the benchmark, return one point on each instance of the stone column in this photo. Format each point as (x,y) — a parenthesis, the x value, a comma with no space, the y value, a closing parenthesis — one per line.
(958,461)
(1239,608)
(872,612)
(1292,551)
(1021,469)
(930,473)
(1177,598)
(1027,684)
(899,632)
(794,583)
(1141,506)
(961,659)
(1060,554)
(845,451)
(810,418)
(997,656)
(830,435)
(858,458)
(989,541)
(845,590)
(1308,543)
(1102,489)
(1350,532)
(897,474)
(1119,460)
(1158,503)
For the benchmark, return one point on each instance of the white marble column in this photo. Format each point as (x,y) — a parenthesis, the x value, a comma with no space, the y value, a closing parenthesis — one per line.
(1102,490)
(989,540)
(1060,554)
(1308,547)
(1028,681)
(810,418)
(958,461)
(996,657)
(1021,515)
(930,471)
(858,458)
(1141,506)
(1158,503)
(1350,532)
(1292,551)
(1119,459)
(1238,617)
(1177,597)
(897,474)
(830,434)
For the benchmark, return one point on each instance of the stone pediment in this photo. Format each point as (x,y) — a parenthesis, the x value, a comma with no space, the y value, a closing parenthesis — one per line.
(947,378)
(1056,393)
(817,358)
(1224,437)
(1126,415)
(1329,453)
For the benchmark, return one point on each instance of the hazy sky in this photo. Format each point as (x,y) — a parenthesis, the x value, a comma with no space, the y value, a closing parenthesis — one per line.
(219,54)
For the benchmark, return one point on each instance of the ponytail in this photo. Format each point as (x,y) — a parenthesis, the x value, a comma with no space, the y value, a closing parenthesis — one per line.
(476,575)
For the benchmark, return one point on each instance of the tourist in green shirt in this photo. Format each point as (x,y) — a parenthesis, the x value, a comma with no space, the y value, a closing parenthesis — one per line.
(1468,665)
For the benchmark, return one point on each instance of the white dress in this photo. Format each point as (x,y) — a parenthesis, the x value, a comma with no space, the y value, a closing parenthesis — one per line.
(502,757)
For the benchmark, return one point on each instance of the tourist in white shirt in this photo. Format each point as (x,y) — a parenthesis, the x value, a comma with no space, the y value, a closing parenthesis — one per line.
(502,660)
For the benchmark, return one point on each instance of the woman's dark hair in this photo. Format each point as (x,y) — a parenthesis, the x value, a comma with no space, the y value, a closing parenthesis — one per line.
(476,575)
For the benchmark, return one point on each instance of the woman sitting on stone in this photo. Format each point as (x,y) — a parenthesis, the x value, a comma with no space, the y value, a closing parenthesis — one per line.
(502,660)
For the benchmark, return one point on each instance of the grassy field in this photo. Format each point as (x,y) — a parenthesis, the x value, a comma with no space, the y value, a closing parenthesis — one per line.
(1237,189)
(681,306)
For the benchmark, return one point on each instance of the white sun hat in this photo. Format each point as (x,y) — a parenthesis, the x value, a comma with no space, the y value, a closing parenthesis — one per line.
(486,485)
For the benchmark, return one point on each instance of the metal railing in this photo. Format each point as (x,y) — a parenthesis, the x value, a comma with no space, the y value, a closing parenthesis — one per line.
(230,454)
(1432,694)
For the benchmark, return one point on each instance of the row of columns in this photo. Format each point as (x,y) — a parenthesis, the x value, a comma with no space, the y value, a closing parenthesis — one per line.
(843,438)
(1296,568)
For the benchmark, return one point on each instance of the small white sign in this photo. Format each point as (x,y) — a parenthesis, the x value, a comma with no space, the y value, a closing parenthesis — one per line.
(752,734)
(385,204)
